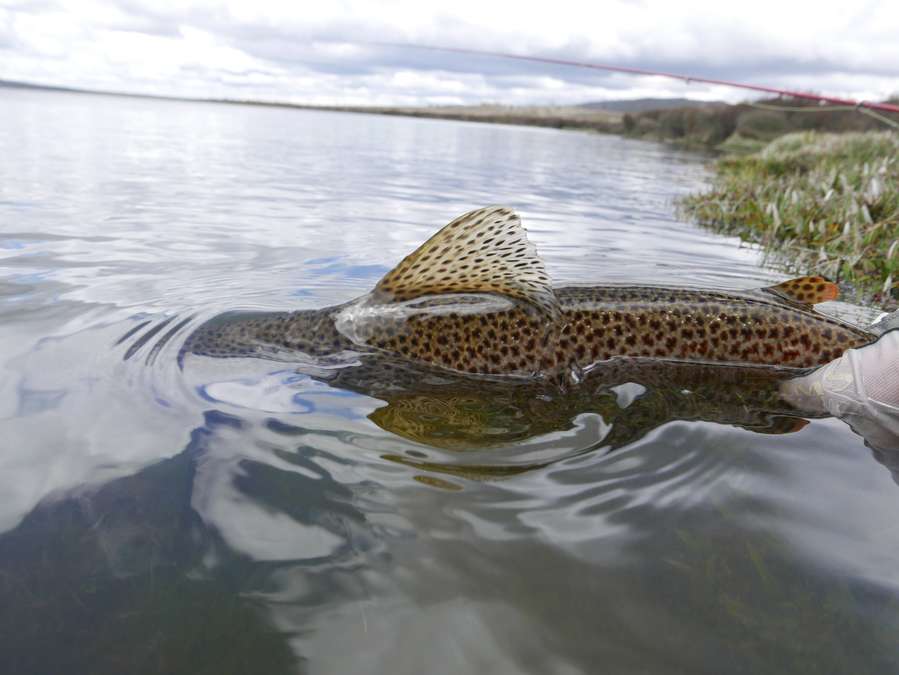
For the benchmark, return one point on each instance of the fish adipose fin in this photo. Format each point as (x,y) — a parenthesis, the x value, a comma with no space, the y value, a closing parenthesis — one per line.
(483,251)
(806,290)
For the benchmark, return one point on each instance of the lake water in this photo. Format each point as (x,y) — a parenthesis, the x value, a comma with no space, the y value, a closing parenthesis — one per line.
(249,518)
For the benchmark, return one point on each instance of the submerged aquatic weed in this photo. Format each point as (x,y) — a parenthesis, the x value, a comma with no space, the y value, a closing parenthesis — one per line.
(822,203)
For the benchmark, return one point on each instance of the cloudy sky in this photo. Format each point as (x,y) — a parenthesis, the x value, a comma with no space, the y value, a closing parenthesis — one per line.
(333,51)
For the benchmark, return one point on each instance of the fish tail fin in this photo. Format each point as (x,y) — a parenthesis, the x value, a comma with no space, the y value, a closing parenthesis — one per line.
(806,290)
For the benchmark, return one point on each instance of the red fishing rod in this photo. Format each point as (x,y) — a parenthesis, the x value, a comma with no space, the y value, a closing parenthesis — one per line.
(870,105)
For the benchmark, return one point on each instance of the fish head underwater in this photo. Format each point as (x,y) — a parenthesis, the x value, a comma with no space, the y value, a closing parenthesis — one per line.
(470,346)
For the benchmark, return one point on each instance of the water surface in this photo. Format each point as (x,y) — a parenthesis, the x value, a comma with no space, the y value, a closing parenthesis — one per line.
(246,517)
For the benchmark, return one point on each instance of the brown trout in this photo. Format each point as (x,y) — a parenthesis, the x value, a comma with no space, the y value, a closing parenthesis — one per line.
(476,299)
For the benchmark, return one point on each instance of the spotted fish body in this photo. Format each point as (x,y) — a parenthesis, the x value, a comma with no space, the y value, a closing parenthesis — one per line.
(475,298)
(598,324)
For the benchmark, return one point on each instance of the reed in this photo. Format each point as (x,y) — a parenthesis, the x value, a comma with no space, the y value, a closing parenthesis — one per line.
(818,203)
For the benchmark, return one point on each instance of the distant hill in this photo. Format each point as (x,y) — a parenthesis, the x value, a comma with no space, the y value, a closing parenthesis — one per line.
(635,105)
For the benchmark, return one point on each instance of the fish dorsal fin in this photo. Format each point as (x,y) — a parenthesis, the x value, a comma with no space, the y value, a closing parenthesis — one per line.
(806,290)
(482,251)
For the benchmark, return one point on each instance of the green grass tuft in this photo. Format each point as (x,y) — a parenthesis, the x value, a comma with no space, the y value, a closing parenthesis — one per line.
(819,203)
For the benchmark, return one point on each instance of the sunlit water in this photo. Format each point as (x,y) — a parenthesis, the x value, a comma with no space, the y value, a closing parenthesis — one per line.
(253,519)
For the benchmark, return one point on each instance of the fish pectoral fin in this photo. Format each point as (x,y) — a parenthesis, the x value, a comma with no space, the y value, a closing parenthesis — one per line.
(482,251)
(806,290)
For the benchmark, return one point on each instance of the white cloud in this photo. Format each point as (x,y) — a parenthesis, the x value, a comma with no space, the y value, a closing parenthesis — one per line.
(324,52)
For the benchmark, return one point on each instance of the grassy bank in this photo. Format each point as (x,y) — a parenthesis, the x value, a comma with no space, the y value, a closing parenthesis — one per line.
(817,202)
(745,127)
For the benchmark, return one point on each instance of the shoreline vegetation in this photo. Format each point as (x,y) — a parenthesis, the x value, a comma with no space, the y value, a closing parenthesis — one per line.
(817,202)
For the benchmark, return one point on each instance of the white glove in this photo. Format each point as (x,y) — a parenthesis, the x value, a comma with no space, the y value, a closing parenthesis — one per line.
(861,387)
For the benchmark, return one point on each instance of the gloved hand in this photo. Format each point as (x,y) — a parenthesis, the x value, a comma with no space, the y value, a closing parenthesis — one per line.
(861,387)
